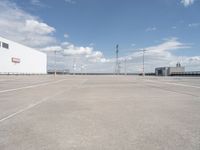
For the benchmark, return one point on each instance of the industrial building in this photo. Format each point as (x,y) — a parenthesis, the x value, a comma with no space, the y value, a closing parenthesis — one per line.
(168,71)
(19,59)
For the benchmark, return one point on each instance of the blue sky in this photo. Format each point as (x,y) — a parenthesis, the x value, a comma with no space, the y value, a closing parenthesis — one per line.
(88,30)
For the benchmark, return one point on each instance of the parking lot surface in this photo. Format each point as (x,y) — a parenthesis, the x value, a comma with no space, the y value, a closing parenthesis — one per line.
(99,113)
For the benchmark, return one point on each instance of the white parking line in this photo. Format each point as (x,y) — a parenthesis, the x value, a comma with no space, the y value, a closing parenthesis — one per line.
(29,107)
(7,80)
(39,102)
(31,86)
(178,84)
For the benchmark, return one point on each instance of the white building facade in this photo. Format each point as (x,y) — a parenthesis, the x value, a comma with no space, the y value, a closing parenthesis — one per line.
(19,59)
(168,71)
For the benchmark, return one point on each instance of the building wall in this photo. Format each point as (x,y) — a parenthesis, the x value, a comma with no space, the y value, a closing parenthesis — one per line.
(176,70)
(167,71)
(161,71)
(19,59)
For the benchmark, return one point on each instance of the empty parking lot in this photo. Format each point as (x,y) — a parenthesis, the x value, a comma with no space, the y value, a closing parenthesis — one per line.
(99,113)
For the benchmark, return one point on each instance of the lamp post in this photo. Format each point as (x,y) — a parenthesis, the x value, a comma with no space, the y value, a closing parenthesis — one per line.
(74,65)
(143,69)
(117,70)
(65,64)
(55,63)
(125,65)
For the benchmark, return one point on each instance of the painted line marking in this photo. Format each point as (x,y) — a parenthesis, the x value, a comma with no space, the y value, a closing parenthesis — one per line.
(29,107)
(39,102)
(2,80)
(184,85)
(31,86)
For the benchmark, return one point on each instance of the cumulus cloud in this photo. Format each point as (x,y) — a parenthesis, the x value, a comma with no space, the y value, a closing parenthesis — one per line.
(51,49)
(19,26)
(84,58)
(168,45)
(187,3)
(38,27)
(69,49)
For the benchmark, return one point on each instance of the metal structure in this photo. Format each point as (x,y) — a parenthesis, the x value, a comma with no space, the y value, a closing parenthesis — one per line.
(142,51)
(143,63)
(74,65)
(55,63)
(117,65)
(125,66)
(66,70)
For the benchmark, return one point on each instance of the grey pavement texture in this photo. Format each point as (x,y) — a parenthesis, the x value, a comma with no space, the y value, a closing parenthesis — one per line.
(99,113)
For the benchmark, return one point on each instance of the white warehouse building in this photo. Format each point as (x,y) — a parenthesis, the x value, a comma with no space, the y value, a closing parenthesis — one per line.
(19,59)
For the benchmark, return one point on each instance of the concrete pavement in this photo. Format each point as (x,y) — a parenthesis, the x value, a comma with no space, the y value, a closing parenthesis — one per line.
(99,113)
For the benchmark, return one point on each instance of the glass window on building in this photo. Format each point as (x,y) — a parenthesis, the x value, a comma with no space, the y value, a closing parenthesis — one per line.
(5,45)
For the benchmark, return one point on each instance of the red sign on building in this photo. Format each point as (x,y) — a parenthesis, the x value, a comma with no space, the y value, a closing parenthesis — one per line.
(15,60)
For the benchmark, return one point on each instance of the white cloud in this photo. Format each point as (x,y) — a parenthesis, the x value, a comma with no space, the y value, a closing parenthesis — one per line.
(149,29)
(187,3)
(71,49)
(38,27)
(87,52)
(168,45)
(86,56)
(51,49)
(20,26)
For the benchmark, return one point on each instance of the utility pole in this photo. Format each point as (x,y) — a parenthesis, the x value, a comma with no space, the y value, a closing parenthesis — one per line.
(55,63)
(73,66)
(117,60)
(125,63)
(143,71)
(81,69)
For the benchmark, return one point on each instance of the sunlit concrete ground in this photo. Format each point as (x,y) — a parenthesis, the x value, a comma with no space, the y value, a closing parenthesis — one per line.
(99,113)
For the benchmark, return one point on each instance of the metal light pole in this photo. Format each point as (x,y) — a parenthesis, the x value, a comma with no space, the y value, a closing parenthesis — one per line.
(143,71)
(73,66)
(65,65)
(125,63)
(117,60)
(81,69)
(55,63)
